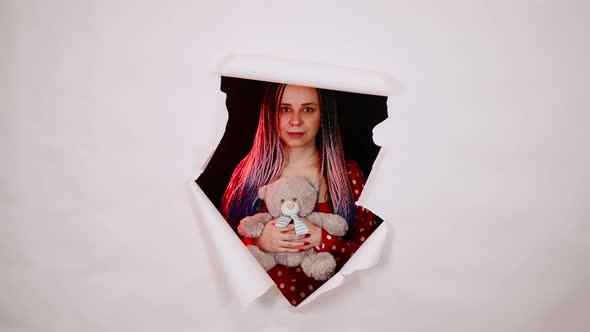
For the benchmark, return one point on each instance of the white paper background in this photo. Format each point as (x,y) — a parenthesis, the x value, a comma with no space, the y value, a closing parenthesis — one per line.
(109,108)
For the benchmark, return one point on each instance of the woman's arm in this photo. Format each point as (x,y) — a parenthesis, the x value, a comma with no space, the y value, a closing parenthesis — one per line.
(342,248)
(365,223)
(278,239)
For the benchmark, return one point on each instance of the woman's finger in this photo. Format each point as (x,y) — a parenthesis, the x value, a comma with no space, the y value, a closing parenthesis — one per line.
(288,228)
(289,250)
(292,237)
(292,244)
(306,246)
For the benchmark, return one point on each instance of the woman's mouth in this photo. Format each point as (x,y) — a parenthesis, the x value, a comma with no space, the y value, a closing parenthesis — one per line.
(295,134)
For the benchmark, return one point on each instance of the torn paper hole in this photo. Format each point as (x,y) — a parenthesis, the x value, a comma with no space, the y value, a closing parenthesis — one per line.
(243,273)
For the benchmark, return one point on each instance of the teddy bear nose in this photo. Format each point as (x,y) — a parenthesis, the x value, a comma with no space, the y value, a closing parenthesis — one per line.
(290,205)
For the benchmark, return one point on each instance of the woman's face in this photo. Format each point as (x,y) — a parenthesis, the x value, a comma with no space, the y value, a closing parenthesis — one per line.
(299,116)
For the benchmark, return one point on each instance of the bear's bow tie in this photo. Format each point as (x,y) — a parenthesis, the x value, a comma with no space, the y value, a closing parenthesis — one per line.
(300,226)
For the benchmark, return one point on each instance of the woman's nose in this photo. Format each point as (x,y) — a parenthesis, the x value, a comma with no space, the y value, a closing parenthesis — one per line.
(295,118)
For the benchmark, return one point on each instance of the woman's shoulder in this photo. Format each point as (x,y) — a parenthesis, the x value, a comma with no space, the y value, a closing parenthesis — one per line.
(353,169)
(356,177)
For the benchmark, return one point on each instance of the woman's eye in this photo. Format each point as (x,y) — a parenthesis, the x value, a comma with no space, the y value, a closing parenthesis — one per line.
(284,109)
(308,109)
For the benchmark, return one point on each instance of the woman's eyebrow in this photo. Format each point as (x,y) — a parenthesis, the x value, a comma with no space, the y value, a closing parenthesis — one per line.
(304,104)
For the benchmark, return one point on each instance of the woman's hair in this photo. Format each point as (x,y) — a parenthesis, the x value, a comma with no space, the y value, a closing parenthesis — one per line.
(266,161)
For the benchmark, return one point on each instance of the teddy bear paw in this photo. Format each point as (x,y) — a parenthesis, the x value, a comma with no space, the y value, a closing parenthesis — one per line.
(250,228)
(266,260)
(319,267)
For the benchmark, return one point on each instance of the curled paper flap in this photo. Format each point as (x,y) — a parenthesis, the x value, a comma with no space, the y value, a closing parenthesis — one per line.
(271,69)
(365,257)
(246,278)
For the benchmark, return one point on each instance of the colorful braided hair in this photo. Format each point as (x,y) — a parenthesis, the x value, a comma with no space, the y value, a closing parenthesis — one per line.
(266,161)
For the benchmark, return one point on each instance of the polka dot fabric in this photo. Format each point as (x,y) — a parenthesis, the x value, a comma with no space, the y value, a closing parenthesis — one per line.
(364,223)
(291,281)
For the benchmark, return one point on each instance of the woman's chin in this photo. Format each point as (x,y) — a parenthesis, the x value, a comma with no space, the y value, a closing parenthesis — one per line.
(296,143)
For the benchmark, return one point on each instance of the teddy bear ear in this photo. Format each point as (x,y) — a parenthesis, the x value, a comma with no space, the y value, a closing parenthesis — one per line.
(262,192)
(315,182)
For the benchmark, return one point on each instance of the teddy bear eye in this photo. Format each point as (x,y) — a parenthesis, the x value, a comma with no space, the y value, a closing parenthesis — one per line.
(294,199)
(282,201)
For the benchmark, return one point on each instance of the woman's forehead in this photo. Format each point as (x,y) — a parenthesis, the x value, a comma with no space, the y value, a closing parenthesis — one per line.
(297,94)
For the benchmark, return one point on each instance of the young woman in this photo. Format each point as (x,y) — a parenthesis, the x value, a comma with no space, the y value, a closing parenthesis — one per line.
(298,135)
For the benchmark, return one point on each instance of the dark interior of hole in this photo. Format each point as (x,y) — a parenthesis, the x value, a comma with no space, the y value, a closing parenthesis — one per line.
(358,115)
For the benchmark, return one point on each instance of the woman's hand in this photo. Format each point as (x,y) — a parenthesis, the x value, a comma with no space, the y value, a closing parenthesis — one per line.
(315,235)
(281,239)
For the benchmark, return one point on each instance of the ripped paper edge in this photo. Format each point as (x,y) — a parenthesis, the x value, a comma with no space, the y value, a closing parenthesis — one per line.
(248,281)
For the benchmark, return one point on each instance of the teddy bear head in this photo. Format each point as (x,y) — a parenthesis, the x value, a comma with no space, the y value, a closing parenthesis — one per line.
(289,196)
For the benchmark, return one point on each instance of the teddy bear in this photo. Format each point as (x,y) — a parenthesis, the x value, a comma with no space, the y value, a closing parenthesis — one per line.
(292,198)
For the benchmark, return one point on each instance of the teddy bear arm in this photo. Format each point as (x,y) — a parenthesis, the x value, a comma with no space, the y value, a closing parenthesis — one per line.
(315,218)
(252,226)
(332,223)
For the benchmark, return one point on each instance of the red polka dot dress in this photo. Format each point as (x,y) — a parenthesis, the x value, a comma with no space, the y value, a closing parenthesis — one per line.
(291,281)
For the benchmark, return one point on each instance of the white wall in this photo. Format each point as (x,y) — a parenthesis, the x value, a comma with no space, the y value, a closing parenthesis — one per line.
(109,108)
